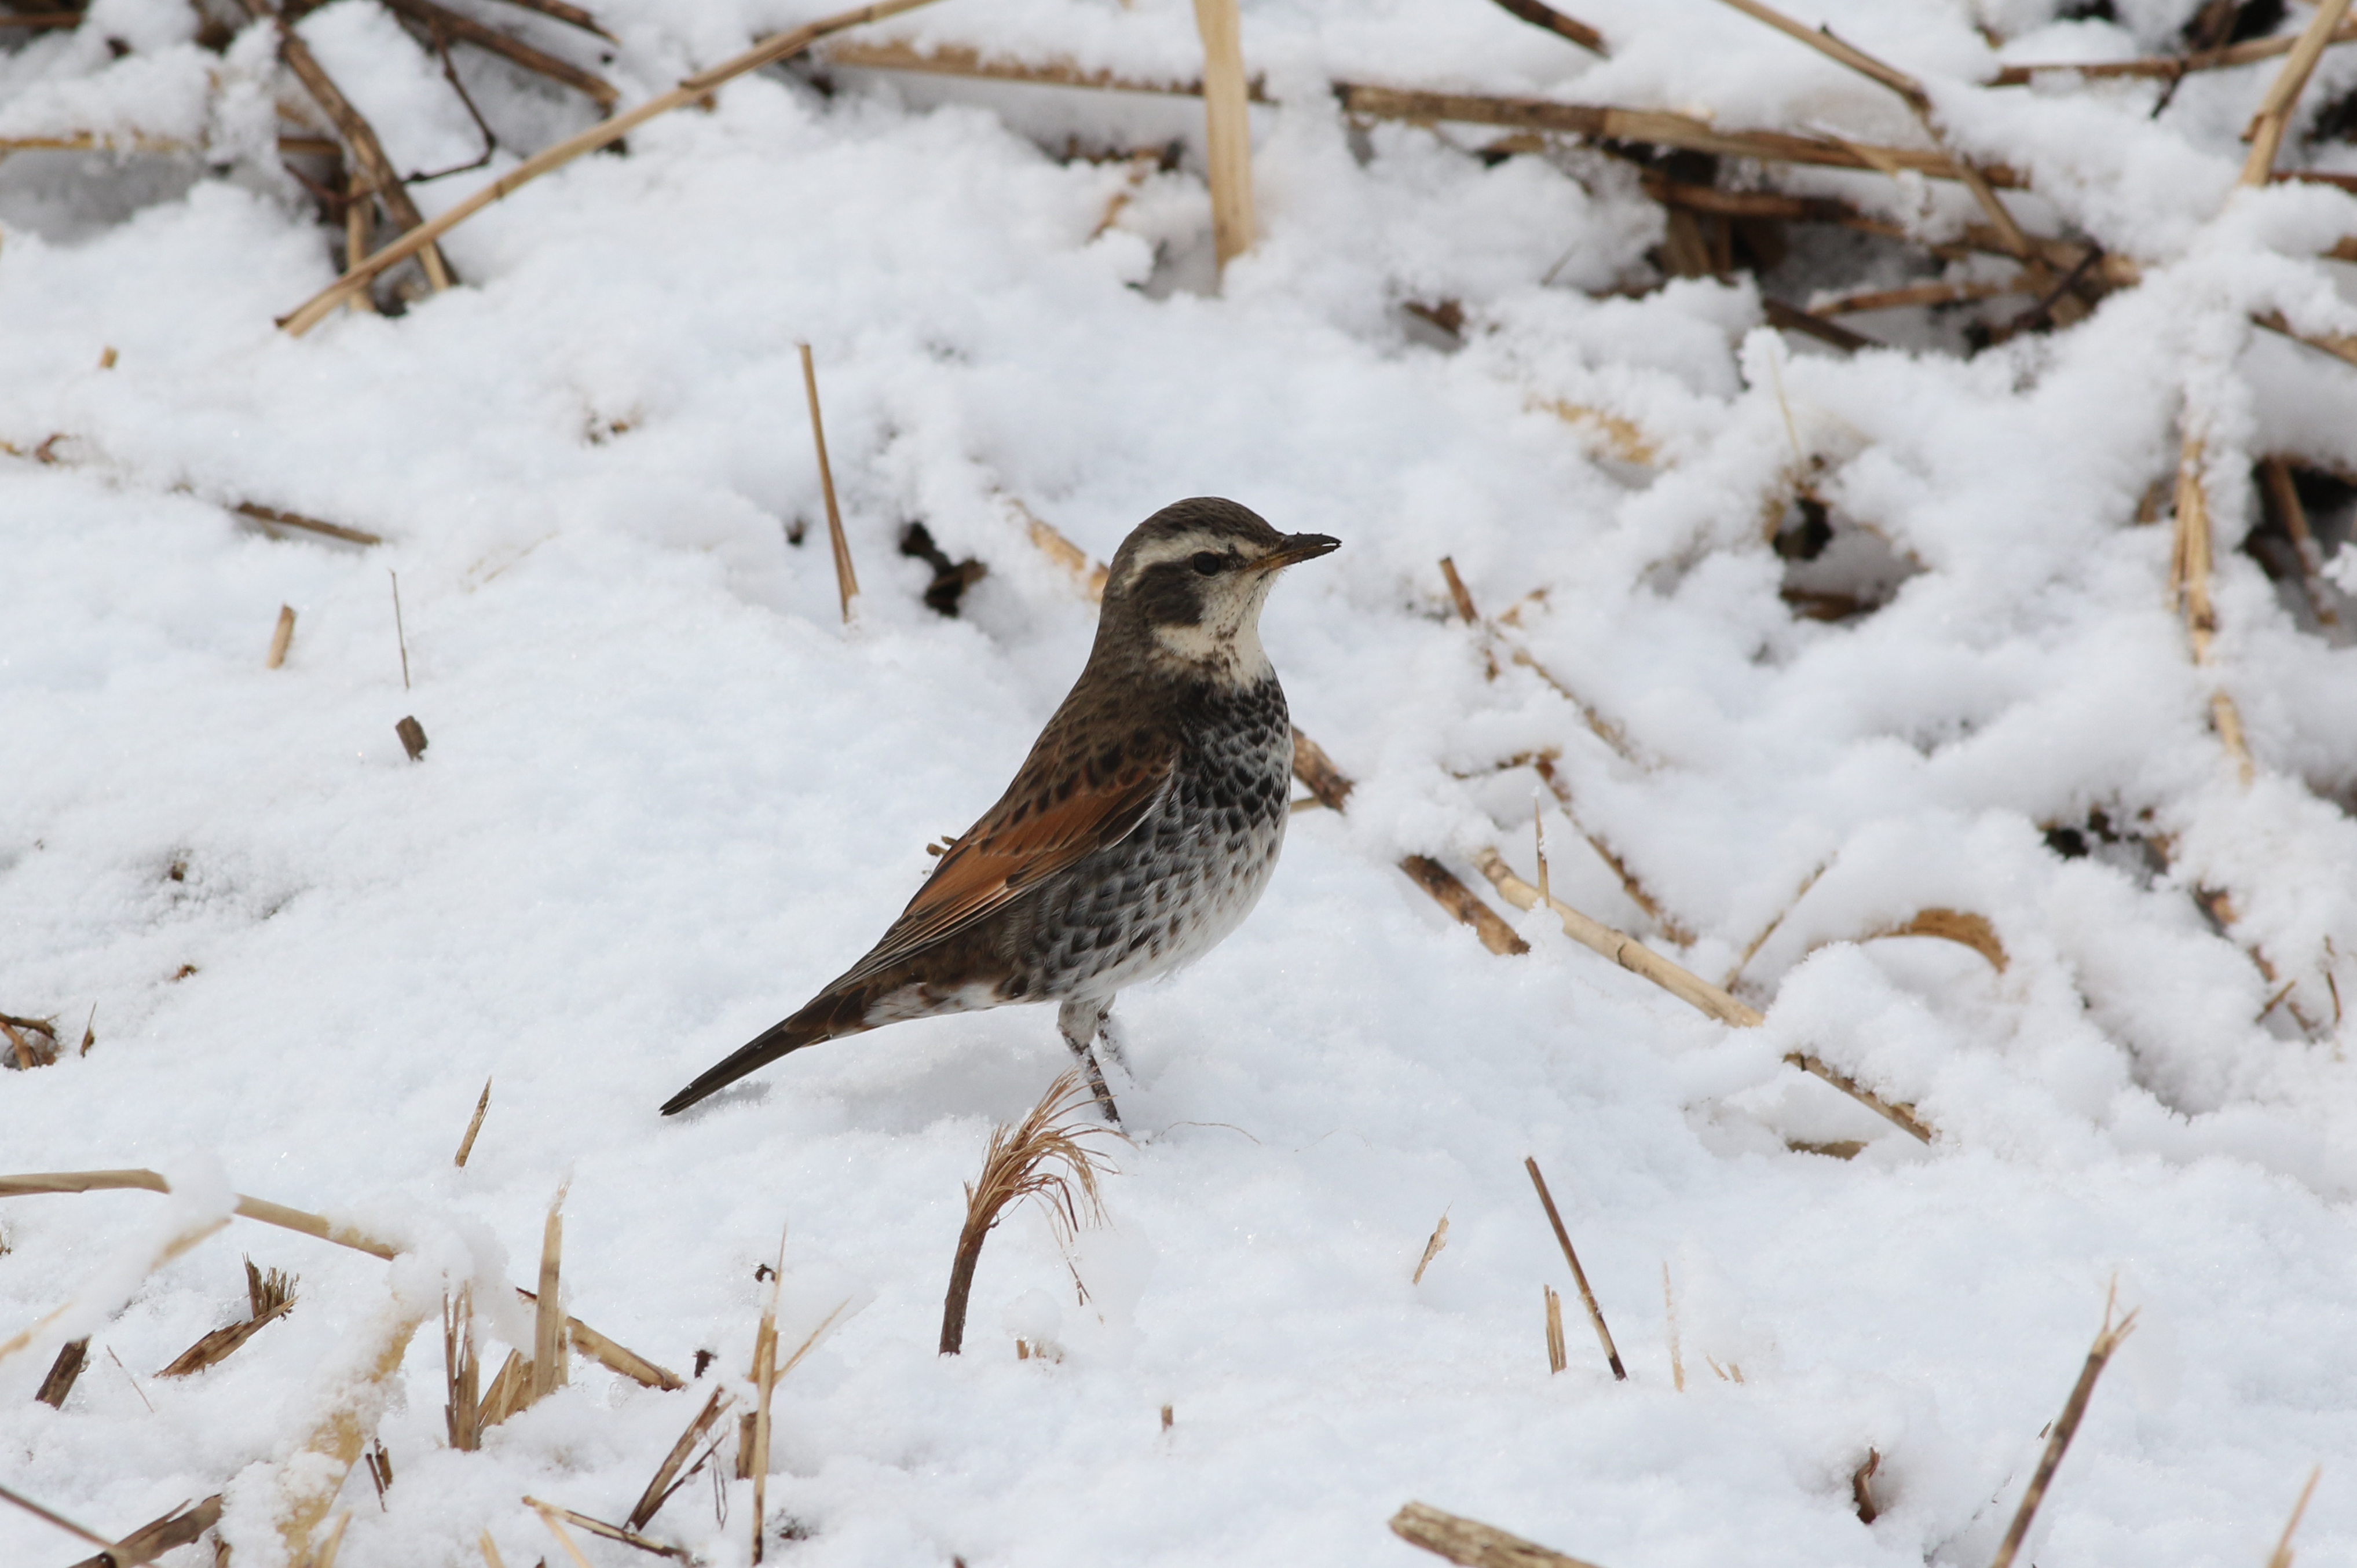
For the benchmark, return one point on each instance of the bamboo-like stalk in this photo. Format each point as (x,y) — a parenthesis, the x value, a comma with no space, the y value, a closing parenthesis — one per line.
(2107,1340)
(630,1538)
(846,581)
(572,1549)
(462,1372)
(965,60)
(691,90)
(548,1368)
(2249,51)
(2189,566)
(1682,984)
(1578,1274)
(359,139)
(1226,127)
(1556,1360)
(2266,131)
(1659,126)
(1625,950)
(1670,1312)
(308,1491)
(360,227)
(1471,1542)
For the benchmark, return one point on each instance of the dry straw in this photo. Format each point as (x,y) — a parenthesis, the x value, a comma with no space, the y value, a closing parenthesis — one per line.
(1579,1277)
(846,581)
(2066,1425)
(588,1340)
(1431,1250)
(1472,1543)
(691,90)
(1227,130)
(281,636)
(1041,1157)
(474,1125)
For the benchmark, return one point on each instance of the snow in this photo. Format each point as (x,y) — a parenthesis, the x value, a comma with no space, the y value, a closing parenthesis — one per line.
(668,794)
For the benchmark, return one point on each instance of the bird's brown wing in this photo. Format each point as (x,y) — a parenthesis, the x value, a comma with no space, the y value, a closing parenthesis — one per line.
(1060,808)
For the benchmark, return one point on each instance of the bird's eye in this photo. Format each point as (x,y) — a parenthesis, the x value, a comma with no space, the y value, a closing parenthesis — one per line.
(1208,564)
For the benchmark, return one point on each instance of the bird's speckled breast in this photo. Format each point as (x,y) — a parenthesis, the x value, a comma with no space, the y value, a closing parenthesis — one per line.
(1189,874)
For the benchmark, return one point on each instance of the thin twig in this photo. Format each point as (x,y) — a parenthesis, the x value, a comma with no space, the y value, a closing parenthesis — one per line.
(466,28)
(2171,66)
(2281,1556)
(400,636)
(2189,566)
(1227,132)
(1578,1274)
(1431,1250)
(474,1125)
(1547,18)
(2107,1340)
(846,581)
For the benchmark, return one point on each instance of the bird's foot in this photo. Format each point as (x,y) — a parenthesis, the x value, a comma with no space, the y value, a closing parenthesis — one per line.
(1097,1087)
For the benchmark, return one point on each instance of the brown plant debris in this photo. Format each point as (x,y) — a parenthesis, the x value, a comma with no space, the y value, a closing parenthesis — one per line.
(2107,1340)
(157,1536)
(1471,1542)
(565,12)
(1897,1113)
(1431,1250)
(1557,1359)
(1861,1487)
(846,581)
(675,1471)
(271,515)
(693,89)
(359,140)
(1957,926)
(630,1538)
(59,1381)
(1670,1316)
(474,1125)
(443,21)
(1578,1274)
(588,1340)
(269,1297)
(462,1374)
(549,1372)
(32,1042)
(1554,21)
(413,736)
(2281,1556)
(1041,1157)
(281,636)
(951,578)
(2189,577)
(963,59)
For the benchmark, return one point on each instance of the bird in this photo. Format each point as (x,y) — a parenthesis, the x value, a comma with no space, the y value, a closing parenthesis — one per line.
(1138,834)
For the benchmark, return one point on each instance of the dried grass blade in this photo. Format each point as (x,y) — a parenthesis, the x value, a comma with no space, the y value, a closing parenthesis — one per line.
(1578,1274)
(666,1475)
(2107,1340)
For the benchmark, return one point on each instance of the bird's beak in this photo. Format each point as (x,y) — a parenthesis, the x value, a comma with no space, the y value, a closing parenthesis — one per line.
(1296,547)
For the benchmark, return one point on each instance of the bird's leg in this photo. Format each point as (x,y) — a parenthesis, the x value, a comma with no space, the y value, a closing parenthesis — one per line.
(1080,1019)
(1110,1037)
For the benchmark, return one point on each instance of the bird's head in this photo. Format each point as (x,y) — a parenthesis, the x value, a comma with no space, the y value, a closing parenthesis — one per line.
(1185,587)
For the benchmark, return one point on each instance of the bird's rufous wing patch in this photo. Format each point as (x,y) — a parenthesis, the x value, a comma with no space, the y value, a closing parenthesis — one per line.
(1040,827)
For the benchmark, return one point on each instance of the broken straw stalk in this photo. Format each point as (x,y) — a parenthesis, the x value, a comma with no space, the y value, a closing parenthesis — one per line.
(585,1339)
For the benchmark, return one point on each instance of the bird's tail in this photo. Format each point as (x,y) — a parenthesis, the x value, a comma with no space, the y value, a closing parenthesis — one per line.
(832,1014)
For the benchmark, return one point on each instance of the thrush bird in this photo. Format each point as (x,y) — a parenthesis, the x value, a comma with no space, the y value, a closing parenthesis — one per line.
(1139,832)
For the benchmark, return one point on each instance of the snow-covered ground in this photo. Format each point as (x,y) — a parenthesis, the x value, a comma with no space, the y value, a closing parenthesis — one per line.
(667,795)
